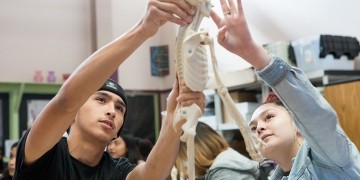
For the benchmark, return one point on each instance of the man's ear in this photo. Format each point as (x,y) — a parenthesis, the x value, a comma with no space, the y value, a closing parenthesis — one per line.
(68,130)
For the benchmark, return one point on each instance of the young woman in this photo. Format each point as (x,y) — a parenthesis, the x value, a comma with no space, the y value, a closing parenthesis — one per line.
(9,172)
(125,146)
(300,128)
(214,159)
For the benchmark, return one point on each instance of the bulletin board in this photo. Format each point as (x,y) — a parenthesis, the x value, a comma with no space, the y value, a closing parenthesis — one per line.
(159,60)
(4,118)
(143,113)
(30,107)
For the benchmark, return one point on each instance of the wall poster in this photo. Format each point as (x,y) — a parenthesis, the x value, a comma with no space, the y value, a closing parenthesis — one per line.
(159,60)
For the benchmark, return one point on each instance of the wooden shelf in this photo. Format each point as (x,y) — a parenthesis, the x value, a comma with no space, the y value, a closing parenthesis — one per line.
(245,78)
(323,77)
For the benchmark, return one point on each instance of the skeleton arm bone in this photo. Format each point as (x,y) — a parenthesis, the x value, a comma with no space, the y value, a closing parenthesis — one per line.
(252,142)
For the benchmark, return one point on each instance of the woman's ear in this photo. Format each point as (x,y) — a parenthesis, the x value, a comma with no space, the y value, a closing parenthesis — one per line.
(298,133)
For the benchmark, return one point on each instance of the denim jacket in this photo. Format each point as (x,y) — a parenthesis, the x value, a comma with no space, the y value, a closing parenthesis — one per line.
(326,153)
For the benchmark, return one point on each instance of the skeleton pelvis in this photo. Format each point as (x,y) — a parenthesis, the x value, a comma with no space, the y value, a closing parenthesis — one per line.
(191,114)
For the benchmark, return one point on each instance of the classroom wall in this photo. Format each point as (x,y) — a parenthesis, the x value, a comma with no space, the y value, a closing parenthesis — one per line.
(58,35)
(42,35)
(135,73)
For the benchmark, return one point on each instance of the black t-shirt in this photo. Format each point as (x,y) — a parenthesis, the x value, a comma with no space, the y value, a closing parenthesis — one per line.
(57,163)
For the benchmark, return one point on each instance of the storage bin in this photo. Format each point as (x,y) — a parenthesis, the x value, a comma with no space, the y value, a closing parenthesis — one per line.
(307,53)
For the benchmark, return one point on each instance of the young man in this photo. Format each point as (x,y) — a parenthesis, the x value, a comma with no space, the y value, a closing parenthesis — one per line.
(95,111)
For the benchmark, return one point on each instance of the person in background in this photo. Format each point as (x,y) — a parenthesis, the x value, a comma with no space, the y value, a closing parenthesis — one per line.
(214,159)
(94,107)
(125,146)
(145,146)
(296,123)
(2,164)
(9,172)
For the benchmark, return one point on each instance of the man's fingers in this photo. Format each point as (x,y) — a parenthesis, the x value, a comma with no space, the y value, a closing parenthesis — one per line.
(184,88)
(177,11)
(186,99)
(174,93)
(183,5)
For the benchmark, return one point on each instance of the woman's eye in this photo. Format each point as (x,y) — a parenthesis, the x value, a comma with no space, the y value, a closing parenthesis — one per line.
(253,128)
(268,117)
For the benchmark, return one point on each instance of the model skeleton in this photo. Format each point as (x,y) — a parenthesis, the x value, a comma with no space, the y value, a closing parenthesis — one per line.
(192,68)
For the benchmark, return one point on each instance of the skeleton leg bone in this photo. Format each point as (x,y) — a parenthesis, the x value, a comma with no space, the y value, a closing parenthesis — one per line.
(191,114)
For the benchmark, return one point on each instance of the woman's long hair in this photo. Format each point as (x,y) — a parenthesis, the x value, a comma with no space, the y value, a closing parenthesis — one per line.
(208,145)
(132,150)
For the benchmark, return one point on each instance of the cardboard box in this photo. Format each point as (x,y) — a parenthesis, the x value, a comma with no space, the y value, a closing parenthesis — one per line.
(243,96)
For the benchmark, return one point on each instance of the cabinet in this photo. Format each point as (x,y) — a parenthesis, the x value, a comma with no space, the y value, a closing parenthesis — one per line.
(345,99)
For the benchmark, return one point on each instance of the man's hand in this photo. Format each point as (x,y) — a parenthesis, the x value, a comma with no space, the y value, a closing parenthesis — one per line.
(159,12)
